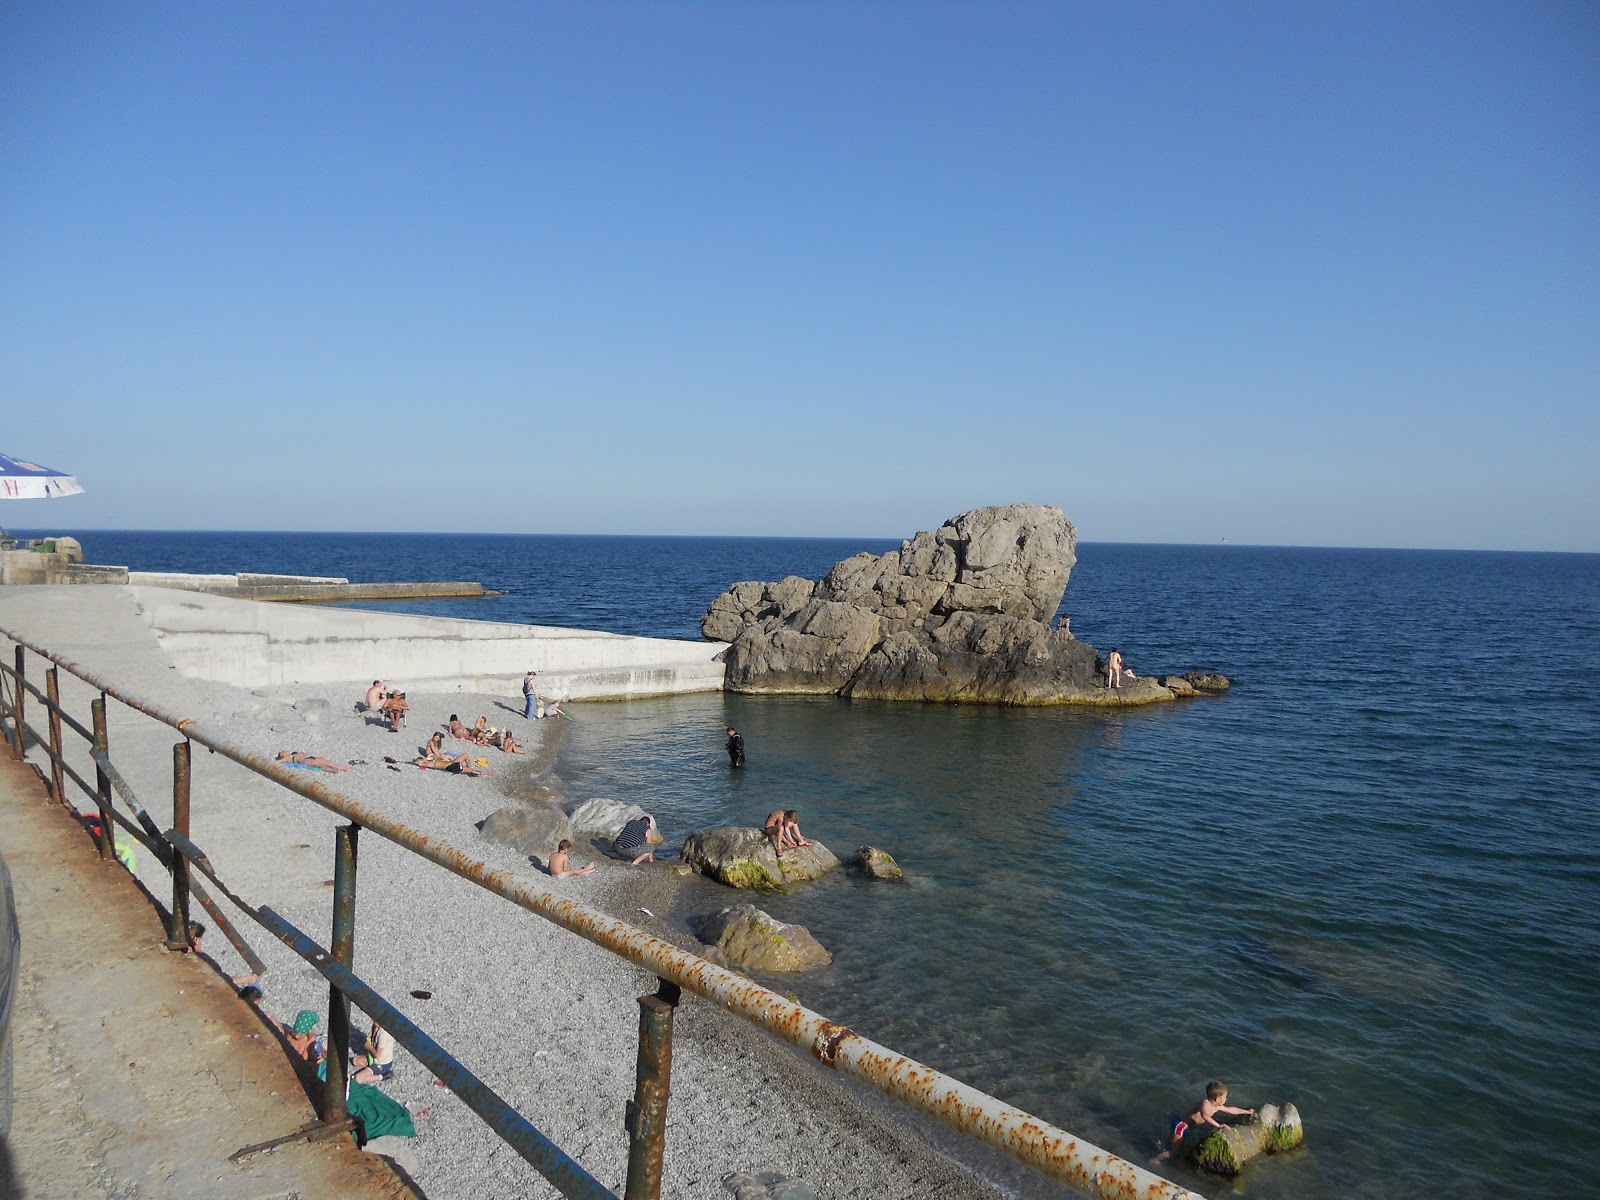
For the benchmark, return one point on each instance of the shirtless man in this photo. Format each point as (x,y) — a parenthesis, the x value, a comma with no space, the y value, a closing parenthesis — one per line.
(375,695)
(395,708)
(784,830)
(311,760)
(560,865)
(435,758)
(1114,668)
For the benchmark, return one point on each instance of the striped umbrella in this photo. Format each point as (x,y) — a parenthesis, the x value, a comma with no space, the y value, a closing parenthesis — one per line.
(29,481)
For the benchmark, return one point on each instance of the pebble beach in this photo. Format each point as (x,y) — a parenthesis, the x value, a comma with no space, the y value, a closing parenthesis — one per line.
(546,1019)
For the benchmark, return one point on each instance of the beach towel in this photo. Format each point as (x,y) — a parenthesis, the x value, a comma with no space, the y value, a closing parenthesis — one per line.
(379,1115)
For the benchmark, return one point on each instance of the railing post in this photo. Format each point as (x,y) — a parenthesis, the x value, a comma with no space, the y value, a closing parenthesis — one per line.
(21,748)
(52,689)
(178,918)
(344,953)
(102,784)
(646,1119)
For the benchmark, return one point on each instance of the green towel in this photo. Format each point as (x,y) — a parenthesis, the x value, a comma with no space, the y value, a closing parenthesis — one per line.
(380,1116)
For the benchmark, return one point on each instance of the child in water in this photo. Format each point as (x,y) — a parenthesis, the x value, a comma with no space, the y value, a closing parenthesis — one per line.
(1216,1100)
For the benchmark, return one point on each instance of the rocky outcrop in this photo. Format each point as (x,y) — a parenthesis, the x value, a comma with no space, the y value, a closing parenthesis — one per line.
(750,938)
(877,864)
(532,830)
(744,858)
(1227,1150)
(959,614)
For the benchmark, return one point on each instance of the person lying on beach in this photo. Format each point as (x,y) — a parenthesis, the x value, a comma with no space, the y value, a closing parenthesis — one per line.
(634,841)
(317,762)
(394,707)
(251,994)
(436,758)
(375,1062)
(559,867)
(374,695)
(457,730)
(784,831)
(197,932)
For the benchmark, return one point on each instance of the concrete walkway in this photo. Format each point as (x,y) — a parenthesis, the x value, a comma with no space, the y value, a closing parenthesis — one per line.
(138,1072)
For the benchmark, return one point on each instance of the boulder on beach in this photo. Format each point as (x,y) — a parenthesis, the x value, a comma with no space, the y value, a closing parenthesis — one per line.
(877,864)
(606,817)
(750,938)
(534,830)
(742,857)
(959,614)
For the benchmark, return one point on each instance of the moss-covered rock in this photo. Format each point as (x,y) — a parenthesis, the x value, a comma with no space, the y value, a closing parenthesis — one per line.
(744,858)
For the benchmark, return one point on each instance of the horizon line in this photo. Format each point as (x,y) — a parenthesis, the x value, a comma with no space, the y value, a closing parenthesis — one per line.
(1223,542)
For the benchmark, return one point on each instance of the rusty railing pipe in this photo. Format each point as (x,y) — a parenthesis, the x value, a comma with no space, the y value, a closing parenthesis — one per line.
(52,703)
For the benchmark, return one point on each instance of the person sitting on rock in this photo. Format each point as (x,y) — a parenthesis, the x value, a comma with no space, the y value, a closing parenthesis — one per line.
(559,865)
(784,830)
(435,758)
(634,841)
(314,761)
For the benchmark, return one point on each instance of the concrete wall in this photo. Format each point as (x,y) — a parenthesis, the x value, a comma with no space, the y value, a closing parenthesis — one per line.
(249,644)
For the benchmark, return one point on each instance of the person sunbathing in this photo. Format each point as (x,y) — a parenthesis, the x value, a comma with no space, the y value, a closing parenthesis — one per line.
(509,743)
(395,709)
(436,758)
(479,732)
(560,866)
(310,760)
(457,730)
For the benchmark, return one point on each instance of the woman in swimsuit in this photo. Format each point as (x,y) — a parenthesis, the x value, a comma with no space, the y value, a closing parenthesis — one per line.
(310,760)
(435,758)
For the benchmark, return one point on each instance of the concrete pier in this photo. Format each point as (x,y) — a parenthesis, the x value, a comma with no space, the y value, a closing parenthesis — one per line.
(265,645)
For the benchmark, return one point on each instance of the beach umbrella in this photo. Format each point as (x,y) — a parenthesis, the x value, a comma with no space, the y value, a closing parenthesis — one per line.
(29,481)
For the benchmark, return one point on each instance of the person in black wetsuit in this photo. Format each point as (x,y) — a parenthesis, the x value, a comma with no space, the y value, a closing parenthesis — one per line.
(735,747)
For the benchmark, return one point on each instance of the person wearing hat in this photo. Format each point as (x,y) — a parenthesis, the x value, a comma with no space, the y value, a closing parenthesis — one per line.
(302,1037)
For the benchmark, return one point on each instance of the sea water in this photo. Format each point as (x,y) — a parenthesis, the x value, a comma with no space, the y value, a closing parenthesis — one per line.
(1364,880)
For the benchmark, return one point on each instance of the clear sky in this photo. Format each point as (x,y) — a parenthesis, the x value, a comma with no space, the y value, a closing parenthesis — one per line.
(1292,273)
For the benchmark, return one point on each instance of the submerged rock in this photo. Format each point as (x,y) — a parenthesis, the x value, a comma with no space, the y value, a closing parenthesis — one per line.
(1227,1150)
(744,858)
(877,864)
(958,614)
(748,937)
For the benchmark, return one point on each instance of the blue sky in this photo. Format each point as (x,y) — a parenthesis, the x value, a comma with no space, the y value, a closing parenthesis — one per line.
(1317,274)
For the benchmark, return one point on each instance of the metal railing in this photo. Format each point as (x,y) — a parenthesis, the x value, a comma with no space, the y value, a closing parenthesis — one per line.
(1053,1152)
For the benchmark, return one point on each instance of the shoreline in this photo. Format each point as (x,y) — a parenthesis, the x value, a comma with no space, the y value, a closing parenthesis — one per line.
(547,1020)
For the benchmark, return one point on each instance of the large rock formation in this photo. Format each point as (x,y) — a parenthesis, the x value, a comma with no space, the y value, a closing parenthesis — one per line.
(959,614)
(748,937)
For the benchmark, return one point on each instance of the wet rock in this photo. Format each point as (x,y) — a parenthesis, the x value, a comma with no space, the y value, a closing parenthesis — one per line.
(877,864)
(742,857)
(599,815)
(750,938)
(1208,681)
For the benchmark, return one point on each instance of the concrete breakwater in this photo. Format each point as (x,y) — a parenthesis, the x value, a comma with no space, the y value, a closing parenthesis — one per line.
(58,560)
(234,641)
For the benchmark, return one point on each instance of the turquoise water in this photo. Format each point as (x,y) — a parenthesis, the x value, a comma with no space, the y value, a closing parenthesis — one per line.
(1362,881)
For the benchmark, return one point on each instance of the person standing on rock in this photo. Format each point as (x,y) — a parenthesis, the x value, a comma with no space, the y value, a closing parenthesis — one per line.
(530,695)
(1114,668)
(735,747)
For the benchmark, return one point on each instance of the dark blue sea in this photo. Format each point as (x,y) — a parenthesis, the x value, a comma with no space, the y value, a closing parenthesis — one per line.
(1365,880)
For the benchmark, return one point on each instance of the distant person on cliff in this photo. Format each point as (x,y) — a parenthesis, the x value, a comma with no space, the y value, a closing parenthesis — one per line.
(634,841)
(560,866)
(783,830)
(374,695)
(1066,624)
(436,758)
(735,747)
(531,704)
